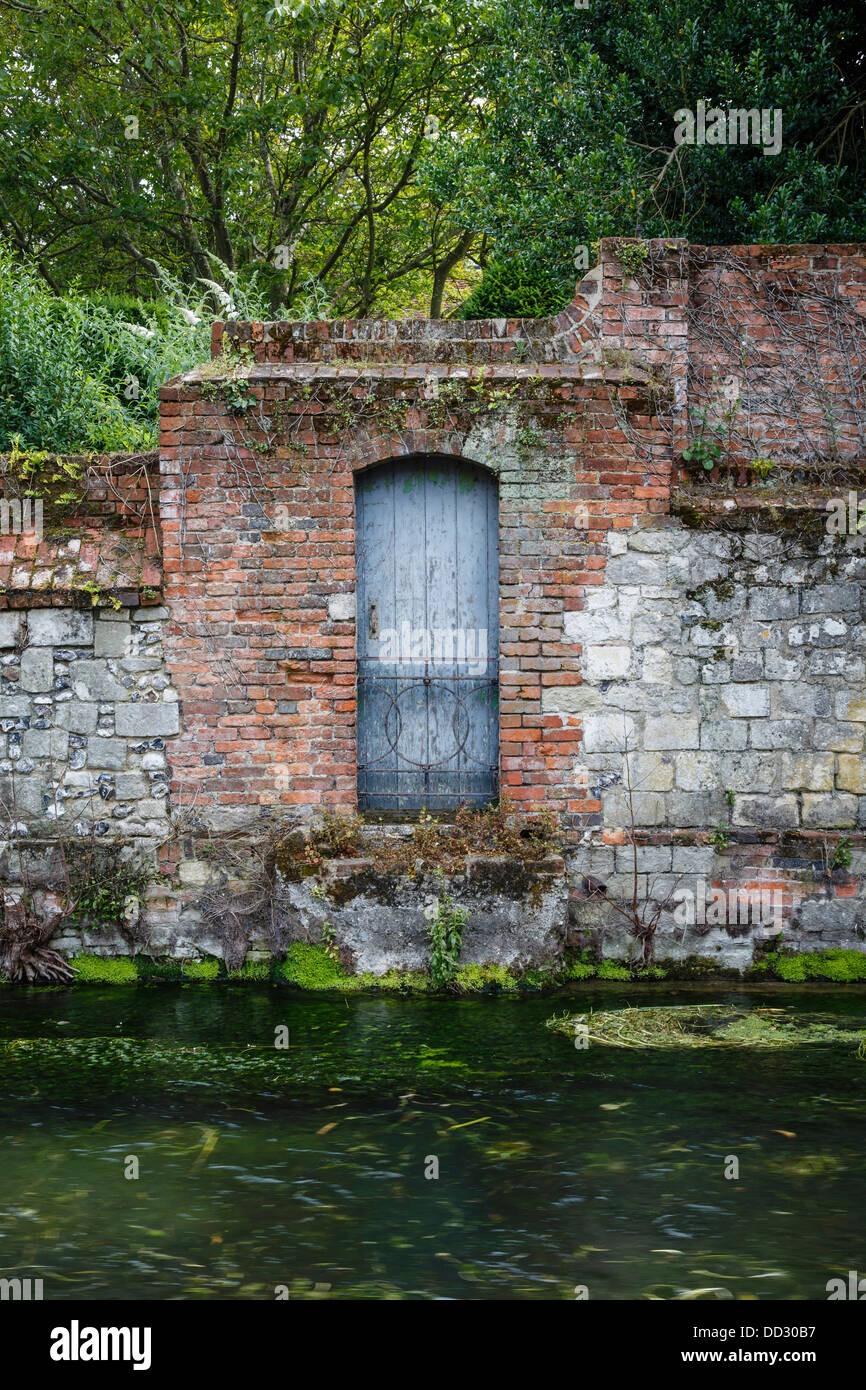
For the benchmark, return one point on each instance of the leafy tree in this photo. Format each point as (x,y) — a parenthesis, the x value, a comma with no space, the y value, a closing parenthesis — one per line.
(148,135)
(575,139)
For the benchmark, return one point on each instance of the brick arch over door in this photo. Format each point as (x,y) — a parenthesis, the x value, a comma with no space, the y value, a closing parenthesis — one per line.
(427,558)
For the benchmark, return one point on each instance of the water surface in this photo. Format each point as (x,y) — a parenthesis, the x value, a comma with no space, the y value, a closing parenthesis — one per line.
(304,1168)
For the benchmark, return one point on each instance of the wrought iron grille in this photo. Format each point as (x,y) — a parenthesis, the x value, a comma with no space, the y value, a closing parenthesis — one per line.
(425,739)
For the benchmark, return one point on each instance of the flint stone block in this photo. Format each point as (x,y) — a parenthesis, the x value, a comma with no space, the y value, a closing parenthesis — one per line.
(779,733)
(801,698)
(59,627)
(746,701)
(76,716)
(667,732)
(606,733)
(92,680)
(37,669)
(830,598)
(826,812)
(10,629)
(45,743)
(138,720)
(341,608)
(771,603)
(851,776)
(106,753)
(766,812)
(111,639)
(650,859)
(606,663)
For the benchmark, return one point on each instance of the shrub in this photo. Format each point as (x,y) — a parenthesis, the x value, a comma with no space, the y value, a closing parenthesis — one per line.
(102,884)
(83,372)
(511,289)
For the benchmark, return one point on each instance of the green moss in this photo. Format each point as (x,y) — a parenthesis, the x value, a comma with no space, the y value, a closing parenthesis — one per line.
(840,965)
(252,970)
(310,967)
(201,969)
(580,970)
(94,970)
(612,970)
(485,979)
(405,981)
(836,965)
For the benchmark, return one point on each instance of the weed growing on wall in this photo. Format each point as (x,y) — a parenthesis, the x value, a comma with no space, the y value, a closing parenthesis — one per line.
(445,934)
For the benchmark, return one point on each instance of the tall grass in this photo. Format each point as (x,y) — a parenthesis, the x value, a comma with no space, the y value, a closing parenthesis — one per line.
(82,372)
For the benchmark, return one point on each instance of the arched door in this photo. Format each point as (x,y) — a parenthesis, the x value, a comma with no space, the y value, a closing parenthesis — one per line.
(428,635)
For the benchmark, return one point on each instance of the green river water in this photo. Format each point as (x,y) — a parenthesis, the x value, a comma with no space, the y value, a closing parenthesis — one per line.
(303,1169)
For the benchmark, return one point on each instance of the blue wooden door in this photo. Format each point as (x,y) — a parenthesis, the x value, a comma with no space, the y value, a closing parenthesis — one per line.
(428,635)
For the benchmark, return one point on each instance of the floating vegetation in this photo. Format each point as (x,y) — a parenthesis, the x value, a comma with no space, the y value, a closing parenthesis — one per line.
(706,1025)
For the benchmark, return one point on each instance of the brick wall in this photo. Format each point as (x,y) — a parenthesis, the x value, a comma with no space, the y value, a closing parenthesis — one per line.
(705,614)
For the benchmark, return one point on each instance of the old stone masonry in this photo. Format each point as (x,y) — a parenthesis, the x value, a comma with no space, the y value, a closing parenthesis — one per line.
(609,567)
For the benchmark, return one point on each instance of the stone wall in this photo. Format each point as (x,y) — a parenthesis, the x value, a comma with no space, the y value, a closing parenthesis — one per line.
(682,647)
(87,709)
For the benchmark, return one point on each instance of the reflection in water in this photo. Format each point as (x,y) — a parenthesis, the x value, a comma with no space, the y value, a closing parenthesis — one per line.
(305,1168)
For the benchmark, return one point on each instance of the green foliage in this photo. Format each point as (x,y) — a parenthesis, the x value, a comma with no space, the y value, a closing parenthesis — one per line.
(53,390)
(201,969)
(338,835)
(403,981)
(632,256)
(101,883)
(612,970)
(762,468)
(704,450)
(580,970)
(584,968)
(841,858)
(252,970)
(485,979)
(513,288)
(310,967)
(280,138)
(575,140)
(837,965)
(94,970)
(77,376)
(445,934)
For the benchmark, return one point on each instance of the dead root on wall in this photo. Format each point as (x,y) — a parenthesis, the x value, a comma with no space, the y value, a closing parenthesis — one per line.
(28,922)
